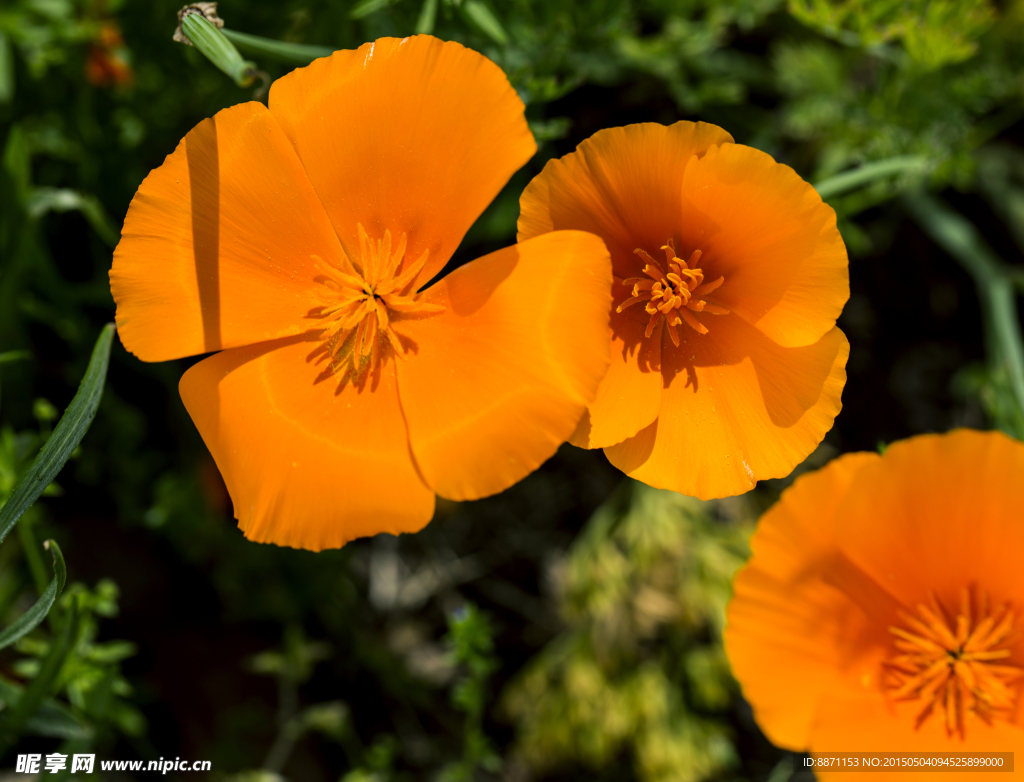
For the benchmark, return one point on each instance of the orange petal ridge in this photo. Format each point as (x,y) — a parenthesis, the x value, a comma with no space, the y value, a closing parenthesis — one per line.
(379,130)
(218,244)
(767,231)
(495,383)
(307,464)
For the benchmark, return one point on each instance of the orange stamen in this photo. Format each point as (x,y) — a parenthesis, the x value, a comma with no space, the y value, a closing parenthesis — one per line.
(365,298)
(673,295)
(948,665)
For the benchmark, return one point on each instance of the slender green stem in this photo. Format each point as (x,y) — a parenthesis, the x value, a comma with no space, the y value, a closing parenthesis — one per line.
(298,53)
(995,283)
(869,172)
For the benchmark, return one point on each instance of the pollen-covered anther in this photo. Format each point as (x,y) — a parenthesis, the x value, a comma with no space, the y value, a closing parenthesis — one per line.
(673,295)
(364,298)
(955,666)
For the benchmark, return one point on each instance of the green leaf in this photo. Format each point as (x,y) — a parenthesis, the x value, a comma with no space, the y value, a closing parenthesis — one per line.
(1004,341)
(29,620)
(427,18)
(299,53)
(6,70)
(480,15)
(16,717)
(52,719)
(65,438)
(367,7)
(14,355)
(54,199)
(869,172)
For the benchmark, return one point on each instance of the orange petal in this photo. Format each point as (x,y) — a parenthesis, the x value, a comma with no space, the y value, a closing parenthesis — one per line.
(306,466)
(767,231)
(797,629)
(944,513)
(629,396)
(217,244)
(499,379)
(414,135)
(621,184)
(736,409)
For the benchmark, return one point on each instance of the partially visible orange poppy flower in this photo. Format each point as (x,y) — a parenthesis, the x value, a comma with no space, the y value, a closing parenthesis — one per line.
(297,240)
(109,61)
(881,609)
(727,366)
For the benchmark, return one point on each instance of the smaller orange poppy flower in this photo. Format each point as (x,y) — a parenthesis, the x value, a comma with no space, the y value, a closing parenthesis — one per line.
(881,610)
(298,239)
(727,366)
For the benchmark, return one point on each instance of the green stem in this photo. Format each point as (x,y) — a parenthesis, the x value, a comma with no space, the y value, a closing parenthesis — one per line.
(995,282)
(298,53)
(869,172)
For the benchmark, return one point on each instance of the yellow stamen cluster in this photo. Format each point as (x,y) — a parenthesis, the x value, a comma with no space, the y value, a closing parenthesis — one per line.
(952,665)
(366,297)
(673,295)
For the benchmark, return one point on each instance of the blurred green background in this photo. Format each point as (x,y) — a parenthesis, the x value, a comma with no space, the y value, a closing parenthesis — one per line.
(568,628)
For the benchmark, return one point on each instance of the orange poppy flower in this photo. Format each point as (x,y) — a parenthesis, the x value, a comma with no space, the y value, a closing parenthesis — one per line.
(727,366)
(297,240)
(881,609)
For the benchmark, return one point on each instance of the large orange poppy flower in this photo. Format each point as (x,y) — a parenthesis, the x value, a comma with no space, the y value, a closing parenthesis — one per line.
(727,366)
(297,240)
(881,610)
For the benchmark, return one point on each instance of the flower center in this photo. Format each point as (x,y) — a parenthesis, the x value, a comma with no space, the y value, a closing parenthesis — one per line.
(673,295)
(953,666)
(359,327)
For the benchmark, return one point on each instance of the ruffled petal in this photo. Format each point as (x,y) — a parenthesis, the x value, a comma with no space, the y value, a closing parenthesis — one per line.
(736,408)
(629,396)
(218,244)
(411,135)
(621,184)
(307,464)
(768,233)
(500,379)
(802,623)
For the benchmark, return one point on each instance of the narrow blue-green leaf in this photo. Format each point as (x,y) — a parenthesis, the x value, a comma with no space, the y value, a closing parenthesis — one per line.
(428,17)
(869,172)
(367,7)
(218,49)
(13,720)
(30,620)
(65,438)
(480,15)
(298,53)
(51,719)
